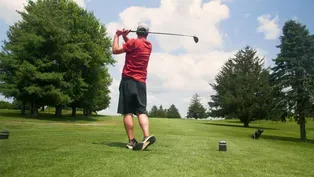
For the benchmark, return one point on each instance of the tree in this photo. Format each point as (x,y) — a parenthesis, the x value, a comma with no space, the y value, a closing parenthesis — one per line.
(161,113)
(57,56)
(279,107)
(96,97)
(5,105)
(173,112)
(154,111)
(196,109)
(242,88)
(293,72)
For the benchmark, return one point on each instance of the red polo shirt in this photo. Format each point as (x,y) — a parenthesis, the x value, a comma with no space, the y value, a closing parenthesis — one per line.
(136,59)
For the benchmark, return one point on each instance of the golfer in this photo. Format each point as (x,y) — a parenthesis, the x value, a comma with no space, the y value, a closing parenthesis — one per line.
(133,95)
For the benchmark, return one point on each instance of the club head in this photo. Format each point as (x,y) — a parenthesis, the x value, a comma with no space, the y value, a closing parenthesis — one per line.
(195,39)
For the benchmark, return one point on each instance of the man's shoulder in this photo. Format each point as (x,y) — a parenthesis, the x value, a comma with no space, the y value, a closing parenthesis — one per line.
(146,42)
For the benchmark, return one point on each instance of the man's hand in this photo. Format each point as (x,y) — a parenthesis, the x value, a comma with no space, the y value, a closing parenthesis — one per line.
(125,32)
(119,32)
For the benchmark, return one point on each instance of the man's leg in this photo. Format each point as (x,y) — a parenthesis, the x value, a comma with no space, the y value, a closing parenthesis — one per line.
(147,139)
(125,108)
(128,125)
(141,113)
(144,123)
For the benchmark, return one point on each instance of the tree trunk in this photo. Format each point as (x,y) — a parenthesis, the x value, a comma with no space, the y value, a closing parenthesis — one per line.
(84,111)
(73,111)
(245,120)
(302,128)
(87,112)
(43,108)
(23,109)
(34,111)
(301,119)
(58,111)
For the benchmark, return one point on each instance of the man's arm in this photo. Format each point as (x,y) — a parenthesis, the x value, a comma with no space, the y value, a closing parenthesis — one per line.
(125,38)
(125,34)
(116,49)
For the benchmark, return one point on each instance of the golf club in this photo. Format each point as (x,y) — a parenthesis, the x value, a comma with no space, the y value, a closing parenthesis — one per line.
(194,37)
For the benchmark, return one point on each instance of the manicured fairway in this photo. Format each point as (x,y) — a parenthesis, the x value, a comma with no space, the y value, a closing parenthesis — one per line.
(96,147)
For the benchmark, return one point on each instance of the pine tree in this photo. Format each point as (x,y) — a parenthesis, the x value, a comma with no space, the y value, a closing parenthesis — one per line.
(161,112)
(154,111)
(293,72)
(173,112)
(242,88)
(196,109)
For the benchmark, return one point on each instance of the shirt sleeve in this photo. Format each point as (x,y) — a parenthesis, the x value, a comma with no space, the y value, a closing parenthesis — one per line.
(129,45)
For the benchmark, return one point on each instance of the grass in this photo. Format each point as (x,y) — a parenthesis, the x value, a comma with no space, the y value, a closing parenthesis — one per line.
(96,147)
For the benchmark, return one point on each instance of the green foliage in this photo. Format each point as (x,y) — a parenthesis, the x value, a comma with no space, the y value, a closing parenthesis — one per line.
(242,88)
(173,112)
(293,73)
(158,112)
(154,111)
(5,105)
(162,113)
(196,109)
(57,56)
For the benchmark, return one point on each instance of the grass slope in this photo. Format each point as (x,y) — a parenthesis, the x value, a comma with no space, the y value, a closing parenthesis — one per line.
(96,147)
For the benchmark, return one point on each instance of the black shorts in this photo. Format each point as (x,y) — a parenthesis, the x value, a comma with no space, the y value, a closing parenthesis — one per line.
(132,97)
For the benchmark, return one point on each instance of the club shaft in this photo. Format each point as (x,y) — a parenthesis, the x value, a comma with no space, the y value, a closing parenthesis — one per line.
(167,33)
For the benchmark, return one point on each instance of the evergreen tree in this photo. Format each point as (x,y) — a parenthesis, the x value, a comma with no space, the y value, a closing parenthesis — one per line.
(242,88)
(196,109)
(173,112)
(161,112)
(293,73)
(154,111)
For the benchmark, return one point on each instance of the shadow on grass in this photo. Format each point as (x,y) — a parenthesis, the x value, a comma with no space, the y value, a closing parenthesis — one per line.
(282,138)
(111,144)
(51,117)
(115,144)
(233,121)
(241,126)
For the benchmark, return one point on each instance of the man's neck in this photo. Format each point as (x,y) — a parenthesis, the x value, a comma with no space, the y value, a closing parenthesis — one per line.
(141,37)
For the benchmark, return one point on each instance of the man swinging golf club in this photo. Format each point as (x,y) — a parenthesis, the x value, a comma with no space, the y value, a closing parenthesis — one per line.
(133,96)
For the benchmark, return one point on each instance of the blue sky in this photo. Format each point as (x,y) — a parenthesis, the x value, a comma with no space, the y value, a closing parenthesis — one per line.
(231,25)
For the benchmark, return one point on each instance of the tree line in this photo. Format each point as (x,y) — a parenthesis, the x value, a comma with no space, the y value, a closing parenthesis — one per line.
(195,110)
(56,56)
(244,89)
(171,112)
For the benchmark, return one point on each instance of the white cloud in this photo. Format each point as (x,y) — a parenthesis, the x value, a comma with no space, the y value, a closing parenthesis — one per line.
(174,16)
(269,26)
(173,77)
(186,72)
(8,9)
